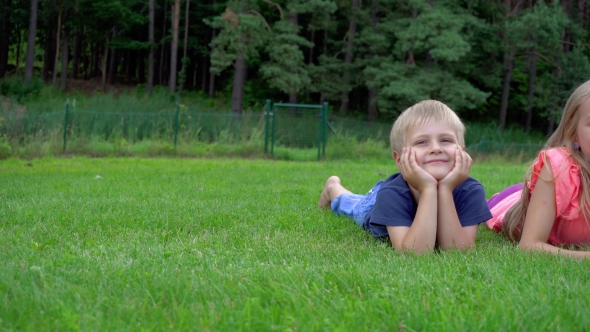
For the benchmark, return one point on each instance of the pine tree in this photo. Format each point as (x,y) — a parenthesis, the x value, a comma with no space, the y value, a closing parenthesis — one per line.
(286,69)
(242,31)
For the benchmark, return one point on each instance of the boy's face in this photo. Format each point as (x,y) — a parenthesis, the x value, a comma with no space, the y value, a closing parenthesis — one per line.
(435,144)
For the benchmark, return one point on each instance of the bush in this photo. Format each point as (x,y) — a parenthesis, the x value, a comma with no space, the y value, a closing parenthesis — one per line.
(5,149)
(16,88)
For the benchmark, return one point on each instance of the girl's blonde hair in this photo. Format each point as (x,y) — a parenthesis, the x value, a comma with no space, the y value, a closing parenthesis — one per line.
(564,136)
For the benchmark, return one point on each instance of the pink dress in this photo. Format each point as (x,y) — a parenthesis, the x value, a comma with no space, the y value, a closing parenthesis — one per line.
(570,226)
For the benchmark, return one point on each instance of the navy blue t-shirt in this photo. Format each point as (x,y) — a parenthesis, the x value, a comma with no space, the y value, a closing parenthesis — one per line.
(395,205)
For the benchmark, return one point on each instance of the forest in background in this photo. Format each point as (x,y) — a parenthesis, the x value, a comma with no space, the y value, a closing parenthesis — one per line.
(513,62)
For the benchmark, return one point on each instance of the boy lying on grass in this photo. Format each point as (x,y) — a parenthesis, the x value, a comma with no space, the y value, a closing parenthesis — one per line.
(432,201)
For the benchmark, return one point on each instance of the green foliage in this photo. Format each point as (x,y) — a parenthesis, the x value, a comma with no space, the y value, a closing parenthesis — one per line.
(408,84)
(15,88)
(420,54)
(349,147)
(538,32)
(5,149)
(540,27)
(242,32)
(128,43)
(326,77)
(321,12)
(108,12)
(405,50)
(286,69)
(182,74)
(435,30)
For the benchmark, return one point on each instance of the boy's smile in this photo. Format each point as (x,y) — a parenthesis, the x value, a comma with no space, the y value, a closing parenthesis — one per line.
(435,145)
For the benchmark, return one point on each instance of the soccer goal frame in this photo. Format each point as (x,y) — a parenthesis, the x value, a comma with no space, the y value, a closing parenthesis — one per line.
(271,119)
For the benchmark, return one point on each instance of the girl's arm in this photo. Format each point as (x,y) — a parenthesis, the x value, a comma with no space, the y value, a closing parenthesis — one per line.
(540,217)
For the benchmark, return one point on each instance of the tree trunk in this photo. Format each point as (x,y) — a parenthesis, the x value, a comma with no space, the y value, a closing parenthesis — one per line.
(123,65)
(141,67)
(58,35)
(19,45)
(96,59)
(184,58)
(113,63)
(203,73)
(174,46)
(104,60)
(586,16)
(531,97)
(568,8)
(554,105)
(237,96)
(410,60)
(48,60)
(373,92)
(325,43)
(195,71)
(312,39)
(131,62)
(161,75)
(5,28)
(85,56)
(293,19)
(211,75)
(150,78)
(64,58)
(348,60)
(76,58)
(31,41)
(508,67)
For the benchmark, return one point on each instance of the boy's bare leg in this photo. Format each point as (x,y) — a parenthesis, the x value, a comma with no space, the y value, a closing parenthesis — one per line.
(332,189)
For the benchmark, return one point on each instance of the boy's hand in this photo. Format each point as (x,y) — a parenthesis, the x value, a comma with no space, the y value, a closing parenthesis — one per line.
(459,173)
(415,175)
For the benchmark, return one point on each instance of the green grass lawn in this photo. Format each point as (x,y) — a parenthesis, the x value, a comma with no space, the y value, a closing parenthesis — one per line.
(230,245)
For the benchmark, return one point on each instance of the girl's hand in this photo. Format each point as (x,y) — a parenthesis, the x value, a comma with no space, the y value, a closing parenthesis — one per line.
(460,171)
(415,175)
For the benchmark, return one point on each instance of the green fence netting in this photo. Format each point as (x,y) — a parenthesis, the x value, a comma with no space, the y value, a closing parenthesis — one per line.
(303,127)
(298,126)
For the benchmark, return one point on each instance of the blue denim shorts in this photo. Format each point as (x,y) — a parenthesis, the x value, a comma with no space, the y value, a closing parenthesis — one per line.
(356,206)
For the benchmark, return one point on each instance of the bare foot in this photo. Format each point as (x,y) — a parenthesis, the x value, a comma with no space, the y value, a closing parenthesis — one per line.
(332,186)
(324,199)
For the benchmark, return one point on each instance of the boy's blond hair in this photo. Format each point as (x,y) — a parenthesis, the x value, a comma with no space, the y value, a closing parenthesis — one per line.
(421,113)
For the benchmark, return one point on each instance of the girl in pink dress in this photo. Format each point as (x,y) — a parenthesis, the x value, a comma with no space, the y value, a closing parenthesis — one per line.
(552,210)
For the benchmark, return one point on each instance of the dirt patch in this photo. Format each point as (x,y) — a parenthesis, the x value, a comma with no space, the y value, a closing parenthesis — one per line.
(92,86)
(7,106)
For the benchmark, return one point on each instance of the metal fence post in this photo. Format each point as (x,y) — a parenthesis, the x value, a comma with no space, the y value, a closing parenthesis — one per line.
(321,132)
(272,134)
(176,125)
(66,124)
(266,129)
(325,127)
